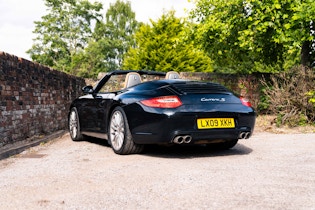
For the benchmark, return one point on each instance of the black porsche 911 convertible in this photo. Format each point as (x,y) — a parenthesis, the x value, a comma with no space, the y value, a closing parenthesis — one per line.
(133,108)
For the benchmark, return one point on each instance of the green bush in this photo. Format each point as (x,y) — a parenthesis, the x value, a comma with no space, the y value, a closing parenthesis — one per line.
(312,95)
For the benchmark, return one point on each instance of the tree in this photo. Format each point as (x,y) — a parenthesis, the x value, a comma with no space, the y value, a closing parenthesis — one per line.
(119,29)
(111,39)
(253,35)
(164,46)
(63,32)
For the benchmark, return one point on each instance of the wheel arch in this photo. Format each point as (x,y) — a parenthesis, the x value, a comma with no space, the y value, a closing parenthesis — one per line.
(127,146)
(109,114)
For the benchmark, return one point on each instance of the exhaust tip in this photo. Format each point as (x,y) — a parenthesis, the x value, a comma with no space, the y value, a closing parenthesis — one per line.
(178,140)
(182,139)
(187,139)
(244,135)
(247,135)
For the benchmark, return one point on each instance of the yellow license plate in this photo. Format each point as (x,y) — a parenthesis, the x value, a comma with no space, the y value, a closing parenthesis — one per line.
(207,123)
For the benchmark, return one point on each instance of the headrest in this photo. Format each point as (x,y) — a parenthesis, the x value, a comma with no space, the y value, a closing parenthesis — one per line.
(132,79)
(172,75)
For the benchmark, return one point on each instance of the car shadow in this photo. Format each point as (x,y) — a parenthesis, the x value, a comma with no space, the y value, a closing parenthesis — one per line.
(98,141)
(193,151)
(183,151)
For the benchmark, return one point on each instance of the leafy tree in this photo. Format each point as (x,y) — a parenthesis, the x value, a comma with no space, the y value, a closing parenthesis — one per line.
(118,29)
(164,46)
(254,35)
(111,39)
(63,32)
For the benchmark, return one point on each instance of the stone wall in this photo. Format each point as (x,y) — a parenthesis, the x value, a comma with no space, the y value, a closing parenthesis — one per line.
(34,99)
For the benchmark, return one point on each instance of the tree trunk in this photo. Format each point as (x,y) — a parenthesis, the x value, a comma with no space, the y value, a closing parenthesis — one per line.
(305,54)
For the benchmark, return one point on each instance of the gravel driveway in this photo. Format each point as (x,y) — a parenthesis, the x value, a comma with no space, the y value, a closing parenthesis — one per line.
(268,171)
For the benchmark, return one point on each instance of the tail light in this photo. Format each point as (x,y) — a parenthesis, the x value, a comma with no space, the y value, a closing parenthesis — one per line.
(245,102)
(163,102)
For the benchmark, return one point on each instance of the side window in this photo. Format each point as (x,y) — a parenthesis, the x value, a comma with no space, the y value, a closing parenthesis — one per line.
(117,82)
(114,84)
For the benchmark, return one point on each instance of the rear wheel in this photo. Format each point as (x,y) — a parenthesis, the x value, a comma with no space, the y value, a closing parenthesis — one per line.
(120,137)
(74,125)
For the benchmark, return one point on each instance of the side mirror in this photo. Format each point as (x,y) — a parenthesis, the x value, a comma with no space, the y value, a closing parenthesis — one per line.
(88,89)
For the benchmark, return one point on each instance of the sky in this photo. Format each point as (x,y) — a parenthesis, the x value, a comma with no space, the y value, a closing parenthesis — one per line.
(17,19)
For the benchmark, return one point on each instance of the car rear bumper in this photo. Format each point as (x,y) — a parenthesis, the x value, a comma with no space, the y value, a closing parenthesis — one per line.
(194,137)
(165,127)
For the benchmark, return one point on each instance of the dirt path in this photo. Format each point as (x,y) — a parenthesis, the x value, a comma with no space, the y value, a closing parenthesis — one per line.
(268,171)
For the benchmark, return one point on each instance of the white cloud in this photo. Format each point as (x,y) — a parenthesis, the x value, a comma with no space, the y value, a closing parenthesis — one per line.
(17,23)
(17,19)
(15,39)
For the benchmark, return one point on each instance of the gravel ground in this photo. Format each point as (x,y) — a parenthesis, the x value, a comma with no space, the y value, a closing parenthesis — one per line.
(268,171)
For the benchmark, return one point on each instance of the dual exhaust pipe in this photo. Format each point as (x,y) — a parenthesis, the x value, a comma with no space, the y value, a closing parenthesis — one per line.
(244,135)
(186,139)
(182,139)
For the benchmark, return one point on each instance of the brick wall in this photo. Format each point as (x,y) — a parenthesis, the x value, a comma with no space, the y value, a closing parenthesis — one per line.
(34,99)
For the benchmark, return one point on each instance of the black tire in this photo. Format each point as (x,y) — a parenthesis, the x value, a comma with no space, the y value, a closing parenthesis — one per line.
(74,125)
(224,145)
(119,136)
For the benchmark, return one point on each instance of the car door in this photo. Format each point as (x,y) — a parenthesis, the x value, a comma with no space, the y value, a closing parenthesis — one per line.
(94,112)
(100,111)
(97,104)
(88,113)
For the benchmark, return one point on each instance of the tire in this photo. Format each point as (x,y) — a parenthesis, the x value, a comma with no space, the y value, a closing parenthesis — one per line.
(120,137)
(225,145)
(74,125)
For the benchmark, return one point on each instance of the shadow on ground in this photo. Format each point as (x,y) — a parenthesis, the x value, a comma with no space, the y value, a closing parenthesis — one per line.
(194,151)
(184,151)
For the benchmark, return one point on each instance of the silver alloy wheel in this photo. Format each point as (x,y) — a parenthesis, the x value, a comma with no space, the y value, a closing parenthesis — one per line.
(117,130)
(73,124)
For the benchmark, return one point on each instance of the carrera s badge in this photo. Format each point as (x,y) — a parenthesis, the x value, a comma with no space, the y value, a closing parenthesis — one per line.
(212,99)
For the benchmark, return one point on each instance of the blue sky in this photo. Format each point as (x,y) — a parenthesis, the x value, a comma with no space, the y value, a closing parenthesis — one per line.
(17,19)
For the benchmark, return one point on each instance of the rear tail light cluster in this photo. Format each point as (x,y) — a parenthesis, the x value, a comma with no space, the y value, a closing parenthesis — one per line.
(163,102)
(245,102)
